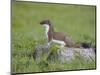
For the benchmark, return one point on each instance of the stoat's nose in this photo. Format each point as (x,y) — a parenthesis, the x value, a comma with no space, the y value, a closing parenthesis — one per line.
(40,23)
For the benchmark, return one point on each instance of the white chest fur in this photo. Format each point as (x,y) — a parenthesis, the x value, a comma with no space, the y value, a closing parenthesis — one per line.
(46,30)
(46,26)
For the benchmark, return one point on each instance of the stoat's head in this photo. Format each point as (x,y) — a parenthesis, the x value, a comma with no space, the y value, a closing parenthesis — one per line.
(47,24)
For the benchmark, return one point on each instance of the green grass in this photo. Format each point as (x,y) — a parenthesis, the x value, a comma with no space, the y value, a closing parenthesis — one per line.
(77,21)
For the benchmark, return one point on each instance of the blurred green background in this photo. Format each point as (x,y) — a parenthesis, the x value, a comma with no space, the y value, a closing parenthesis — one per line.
(77,21)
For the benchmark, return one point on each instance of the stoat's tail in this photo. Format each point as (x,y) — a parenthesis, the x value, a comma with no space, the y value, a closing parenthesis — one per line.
(82,45)
(70,43)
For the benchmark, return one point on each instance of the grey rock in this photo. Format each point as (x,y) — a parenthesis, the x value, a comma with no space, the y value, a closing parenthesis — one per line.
(64,54)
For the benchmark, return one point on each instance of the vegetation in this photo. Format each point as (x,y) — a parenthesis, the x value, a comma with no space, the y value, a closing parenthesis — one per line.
(77,21)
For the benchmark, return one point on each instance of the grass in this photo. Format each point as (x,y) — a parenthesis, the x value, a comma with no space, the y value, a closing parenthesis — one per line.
(77,21)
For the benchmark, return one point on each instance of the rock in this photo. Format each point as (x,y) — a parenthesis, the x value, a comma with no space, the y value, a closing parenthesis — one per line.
(63,55)
(39,51)
(69,54)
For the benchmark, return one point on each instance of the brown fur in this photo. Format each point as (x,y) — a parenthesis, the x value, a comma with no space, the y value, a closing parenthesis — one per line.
(59,36)
(55,35)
